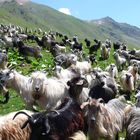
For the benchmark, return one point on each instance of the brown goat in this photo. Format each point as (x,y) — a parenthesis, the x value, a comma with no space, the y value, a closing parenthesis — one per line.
(104,120)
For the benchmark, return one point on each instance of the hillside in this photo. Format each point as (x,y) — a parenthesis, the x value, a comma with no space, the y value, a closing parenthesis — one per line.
(34,15)
(119,31)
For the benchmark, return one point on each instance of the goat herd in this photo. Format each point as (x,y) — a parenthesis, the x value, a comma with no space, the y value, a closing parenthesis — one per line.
(79,101)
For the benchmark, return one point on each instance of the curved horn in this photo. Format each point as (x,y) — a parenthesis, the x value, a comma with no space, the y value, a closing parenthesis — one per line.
(55,112)
(84,105)
(21,112)
(100,100)
(24,124)
(47,126)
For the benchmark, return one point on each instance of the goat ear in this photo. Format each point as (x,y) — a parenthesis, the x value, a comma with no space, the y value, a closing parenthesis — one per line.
(82,82)
(85,83)
(84,105)
(30,80)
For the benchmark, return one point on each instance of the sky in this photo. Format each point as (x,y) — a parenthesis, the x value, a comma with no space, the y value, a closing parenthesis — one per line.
(123,11)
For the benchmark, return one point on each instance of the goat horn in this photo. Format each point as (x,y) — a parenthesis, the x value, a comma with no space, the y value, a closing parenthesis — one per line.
(55,112)
(21,112)
(24,124)
(84,104)
(100,100)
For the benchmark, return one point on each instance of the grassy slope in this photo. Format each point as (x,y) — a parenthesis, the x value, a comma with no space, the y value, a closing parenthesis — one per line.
(45,64)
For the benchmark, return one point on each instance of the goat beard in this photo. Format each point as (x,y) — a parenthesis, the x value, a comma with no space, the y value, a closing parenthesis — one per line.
(36,95)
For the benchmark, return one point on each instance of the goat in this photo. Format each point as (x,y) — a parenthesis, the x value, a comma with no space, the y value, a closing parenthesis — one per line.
(135,52)
(108,43)
(116,46)
(48,92)
(11,129)
(105,52)
(88,43)
(112,70)
(61,73)
(127,82)
(3,60)
(103,87)
(120,61)
(132,124)
(78,89)
(49,125)
(105,120)
(59,48)
(83,67)
(95,47)
(29,51)
(20,83)
(134,61)
(65,60)
(133,69)
(137,96)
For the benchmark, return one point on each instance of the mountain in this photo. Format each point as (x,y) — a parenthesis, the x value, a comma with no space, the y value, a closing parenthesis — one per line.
(119,31)
(34,15)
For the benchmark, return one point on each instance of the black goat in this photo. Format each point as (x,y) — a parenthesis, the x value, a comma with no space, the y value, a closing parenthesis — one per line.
(94,47)
(59,124)
(28,50)
(88,43)
(104,87)
(116,45)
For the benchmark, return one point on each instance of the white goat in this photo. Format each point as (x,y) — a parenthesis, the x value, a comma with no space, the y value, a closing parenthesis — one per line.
(20,83)
(48,91)
(11,129)
(127,81)
(136,53)
(112,70)
(105,52)
(61,49)
(133,69)
(83,67)
(120,61)
(8,40)
(64,73)
(133,61)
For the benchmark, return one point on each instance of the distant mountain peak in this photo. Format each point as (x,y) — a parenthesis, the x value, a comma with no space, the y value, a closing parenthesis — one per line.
(103,20)
(108,19)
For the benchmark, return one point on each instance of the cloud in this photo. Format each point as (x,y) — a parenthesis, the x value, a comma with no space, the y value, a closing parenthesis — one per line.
(65,11)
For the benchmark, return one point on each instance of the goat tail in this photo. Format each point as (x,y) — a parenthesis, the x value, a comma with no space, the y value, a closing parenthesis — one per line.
(78,136)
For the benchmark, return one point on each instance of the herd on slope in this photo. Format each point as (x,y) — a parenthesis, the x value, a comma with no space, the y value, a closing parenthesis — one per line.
(83,97)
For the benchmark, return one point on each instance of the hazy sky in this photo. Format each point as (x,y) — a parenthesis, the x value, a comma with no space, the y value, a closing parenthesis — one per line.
(126,11)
